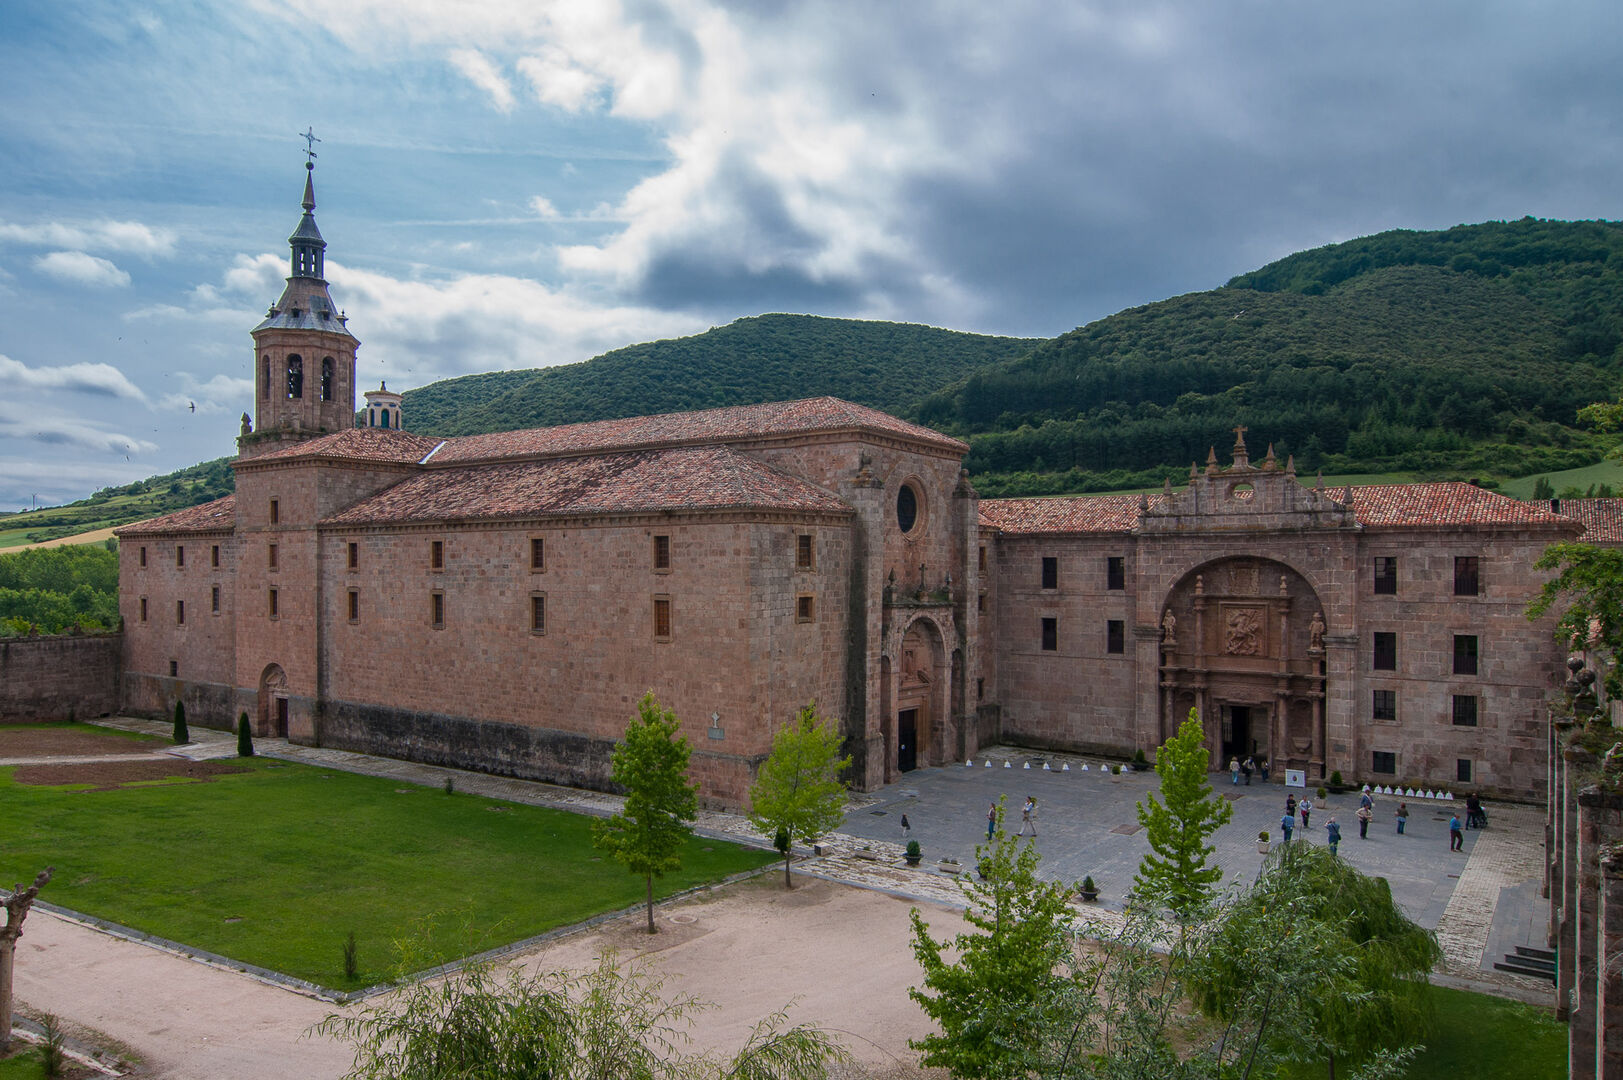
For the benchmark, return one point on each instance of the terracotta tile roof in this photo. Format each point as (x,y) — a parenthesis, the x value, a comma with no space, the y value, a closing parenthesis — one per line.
(1602,519)
(217,516)
(359,444)
(1376,506)
(1065,514)
(684,478)
(731,424)
(1435,505)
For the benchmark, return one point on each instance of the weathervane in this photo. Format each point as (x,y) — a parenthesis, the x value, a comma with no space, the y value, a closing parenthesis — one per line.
(310,140)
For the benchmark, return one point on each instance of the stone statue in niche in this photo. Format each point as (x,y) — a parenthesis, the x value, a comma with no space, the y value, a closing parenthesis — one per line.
(247,425)
(1315,632)
(1243,633)
(1169,628)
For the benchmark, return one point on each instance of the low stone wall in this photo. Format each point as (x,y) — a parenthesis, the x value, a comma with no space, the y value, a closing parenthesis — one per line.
(209,705)
(55,678)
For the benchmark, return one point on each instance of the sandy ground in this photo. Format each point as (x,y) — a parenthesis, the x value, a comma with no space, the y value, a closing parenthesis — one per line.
(95,536)
(839,954)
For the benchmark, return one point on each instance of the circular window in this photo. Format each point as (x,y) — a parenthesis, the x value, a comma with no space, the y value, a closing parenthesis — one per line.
(907,508)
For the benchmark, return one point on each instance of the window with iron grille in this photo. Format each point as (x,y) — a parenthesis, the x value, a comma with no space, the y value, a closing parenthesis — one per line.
(1385,706)
(1384,762)
(1465,654)
(1386,651)
(1050,572)
(1465,710)
(1116,572)
(1386,575)
(1467,575)
(1115,636)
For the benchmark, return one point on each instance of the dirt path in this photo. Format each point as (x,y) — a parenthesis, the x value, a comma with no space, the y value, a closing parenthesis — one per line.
(95,536)
(840,954)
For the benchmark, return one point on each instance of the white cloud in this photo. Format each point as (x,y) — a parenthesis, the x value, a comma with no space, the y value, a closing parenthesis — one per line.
(82,269)
(126,237)
(39,427)
(477,69)
(543,207)
(217,394)
(556,80)
(103,379)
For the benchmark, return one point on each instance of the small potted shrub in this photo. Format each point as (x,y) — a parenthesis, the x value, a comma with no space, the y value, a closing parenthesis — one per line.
(1140,762)
(1115,770)
(1323,794)
(1336,784)
(1088,890)
(914,853)
(1262,841)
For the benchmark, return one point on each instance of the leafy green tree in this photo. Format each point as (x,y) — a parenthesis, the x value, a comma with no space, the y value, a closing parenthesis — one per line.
(651,764)
(1175,874)
(182,736)
(1589,581)
(611,1024)
(1013,984)
(245,737)
(798,793)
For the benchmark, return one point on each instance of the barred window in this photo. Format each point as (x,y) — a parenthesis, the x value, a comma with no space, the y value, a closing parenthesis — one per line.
(1050,572)
(662,553)
(1385,706)
(662,618)
(1386,575)
(1467,575)
(1384,762)
(1465,654)
(1115,636)
(1116,572)
(1050,635)
(538,613)
(1386,651)
(1465,710)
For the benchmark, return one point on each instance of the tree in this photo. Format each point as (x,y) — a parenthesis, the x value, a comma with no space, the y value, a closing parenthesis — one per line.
(609,1024)
(182,736)
(798,793)
(245,737)
(1013,984)
(17,906)
(647,835)
(1175,874)
(1590,581)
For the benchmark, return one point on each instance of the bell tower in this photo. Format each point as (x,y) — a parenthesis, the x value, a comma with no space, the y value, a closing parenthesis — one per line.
(304,354)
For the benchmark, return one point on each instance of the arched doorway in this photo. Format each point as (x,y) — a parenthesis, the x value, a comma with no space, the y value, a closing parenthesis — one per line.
(272,719)
(1243,644)
(917,714)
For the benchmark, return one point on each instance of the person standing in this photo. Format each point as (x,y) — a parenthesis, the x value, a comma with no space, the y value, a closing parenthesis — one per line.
(1456,838)
(1403,816)
(907,829)
(1333,833)
(1234,771)
(1286,824)
(1364,814)
(1306,809)
(991,821)
(1290,805)
(1247,767)
(1028,817)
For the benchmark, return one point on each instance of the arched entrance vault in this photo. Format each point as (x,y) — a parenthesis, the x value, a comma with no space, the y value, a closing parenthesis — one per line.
(272,704)
(916,721)
(1242,642)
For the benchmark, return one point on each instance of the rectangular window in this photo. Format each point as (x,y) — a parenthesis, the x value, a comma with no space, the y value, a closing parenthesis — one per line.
(143,556)
(1386,575)
(436,610)
(354,606)
(1465,710)
(214,556)
(143,609)
(1116,572)
(352,552)
(1050,572)
(1465,654)
(1386,651)
(1462,770)
(1385,706)
(270,556)
(1467,575)
(662,618)
(980,604)
(274,606)
(174,668)
(1115,636)
(804,552)
(538,554)
(180,612)
(436,554)
(214,599)
(180,555)
(538,613)
(980,689)
(805,608)
(662,553)
(275,511)
(1050,635)
(980,559)
(1383,761)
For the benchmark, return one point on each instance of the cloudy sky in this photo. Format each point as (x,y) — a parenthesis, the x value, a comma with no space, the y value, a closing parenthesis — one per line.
(513,183)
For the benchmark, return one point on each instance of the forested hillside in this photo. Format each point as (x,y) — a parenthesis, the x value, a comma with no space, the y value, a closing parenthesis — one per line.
(890,366)
(1463,352)
(121,505)
(50,590)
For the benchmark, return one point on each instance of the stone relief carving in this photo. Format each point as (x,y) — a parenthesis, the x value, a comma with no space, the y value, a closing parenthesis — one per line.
(1243,633)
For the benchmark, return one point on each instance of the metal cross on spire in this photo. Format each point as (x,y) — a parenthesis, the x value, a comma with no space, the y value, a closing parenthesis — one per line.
(310,140)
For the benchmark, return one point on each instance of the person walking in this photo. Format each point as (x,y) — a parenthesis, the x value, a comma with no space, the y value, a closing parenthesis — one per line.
(1366,800)
(1364,814)
(907,828)
(1290,805)
(1234,771)
(1028,817)
(1286,824)
(1403,816)
(991,821)
(1247,767)
(1333,833)
(1305,807)
(1456,838)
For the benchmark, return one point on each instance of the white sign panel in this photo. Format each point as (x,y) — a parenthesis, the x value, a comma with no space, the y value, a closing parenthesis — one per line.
(1296,778)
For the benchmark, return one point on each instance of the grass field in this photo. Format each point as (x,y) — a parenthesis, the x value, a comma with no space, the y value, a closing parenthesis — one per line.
(1609,471)
(276,865)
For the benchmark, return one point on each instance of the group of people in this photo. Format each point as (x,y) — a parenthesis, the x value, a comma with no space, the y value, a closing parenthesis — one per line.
(1238,768)
(1475,818)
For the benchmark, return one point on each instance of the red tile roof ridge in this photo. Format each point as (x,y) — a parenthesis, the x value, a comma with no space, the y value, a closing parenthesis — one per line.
(217,516)
(696,478)
(730,423)
(356,444)
(1444,504)
(1602,518)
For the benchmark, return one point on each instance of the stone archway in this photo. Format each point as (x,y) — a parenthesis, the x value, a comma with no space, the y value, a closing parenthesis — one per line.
(1243,642)
(916,720)
(272,703)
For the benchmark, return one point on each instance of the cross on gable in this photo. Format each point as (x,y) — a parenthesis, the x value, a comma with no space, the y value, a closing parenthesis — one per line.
(310,140)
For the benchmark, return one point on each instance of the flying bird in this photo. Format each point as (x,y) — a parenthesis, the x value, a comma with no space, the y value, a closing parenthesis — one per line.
(193,405)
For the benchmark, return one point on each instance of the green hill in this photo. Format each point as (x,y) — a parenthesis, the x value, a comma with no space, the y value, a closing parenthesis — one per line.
(121,505)
(1462,352)
(889,366)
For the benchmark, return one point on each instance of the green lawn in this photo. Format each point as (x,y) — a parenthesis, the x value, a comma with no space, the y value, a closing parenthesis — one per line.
(1609,471)
(22,1065)
(1478,1037)
(276,865)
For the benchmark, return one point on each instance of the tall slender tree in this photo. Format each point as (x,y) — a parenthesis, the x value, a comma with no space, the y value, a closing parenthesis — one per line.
(1175,873)
(647,835)
(798,792)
